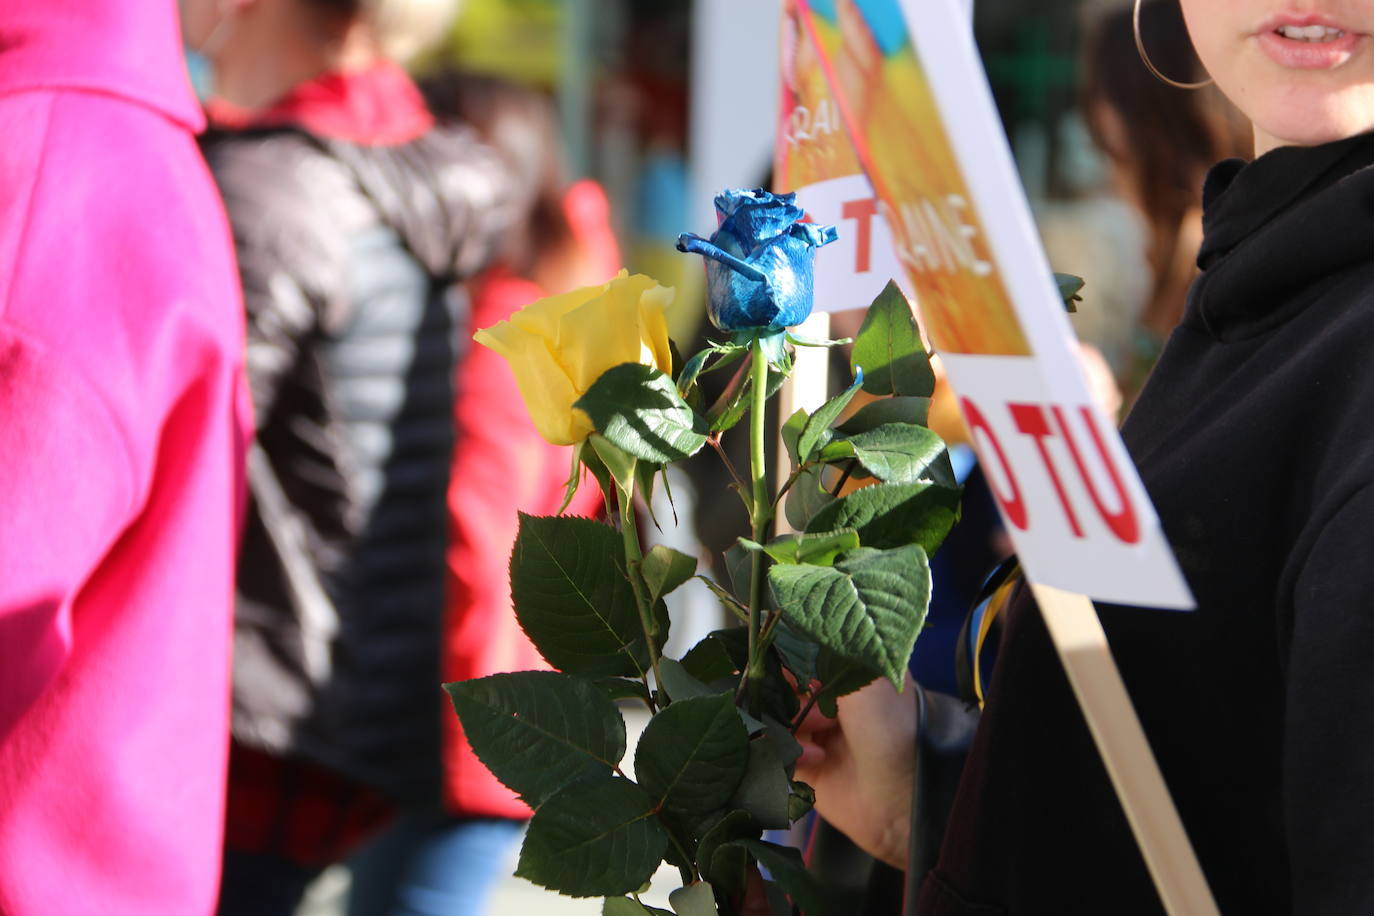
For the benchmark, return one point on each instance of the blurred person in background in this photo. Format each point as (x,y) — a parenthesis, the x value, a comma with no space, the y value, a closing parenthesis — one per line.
(444,860)
(353,216)
(123,424)
(1160,141)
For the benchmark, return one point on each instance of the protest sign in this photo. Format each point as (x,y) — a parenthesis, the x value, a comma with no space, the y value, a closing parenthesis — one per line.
(814,157)
(923,125)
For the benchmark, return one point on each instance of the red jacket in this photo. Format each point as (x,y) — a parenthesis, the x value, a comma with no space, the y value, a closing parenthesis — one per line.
(501,467)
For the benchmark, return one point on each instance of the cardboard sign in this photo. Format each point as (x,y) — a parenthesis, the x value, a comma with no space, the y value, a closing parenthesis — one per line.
(814,157)
(912,94)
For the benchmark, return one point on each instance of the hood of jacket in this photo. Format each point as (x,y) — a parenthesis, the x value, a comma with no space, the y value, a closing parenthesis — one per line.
(128,48)
(1277,231)
(447,195)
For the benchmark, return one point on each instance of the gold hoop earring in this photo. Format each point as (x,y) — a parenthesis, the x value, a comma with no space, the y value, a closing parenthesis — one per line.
(1145,58)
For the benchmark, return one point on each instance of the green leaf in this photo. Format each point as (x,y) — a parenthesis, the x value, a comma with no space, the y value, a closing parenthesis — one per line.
(786,867)
(817,431)
(537,731)
(622,688)
(695,899)
(801,801)
(889,349)
(733,413)
(687,378)
(692,755)
(738,566)
(777,696)
(638,408)
(620,464)
(593,839)
(731,603)
(725,868)
(663,622)
(807,498)
(791,434)
(604,479)
(734,402)
(868,608)
(797,652)
(720,654)
(626,906)
(839,677)
(679,682)
(893,514)
(835,451)
(622,906)
(887,410)
(729,353)
(941,473)
(771,342)
(665,569)
(764,789)
(824,343)
(900,468)
(1069,285)
(785,745)
(668,493)
(572,597)
(674,356)
(681,854)
(645,476)
(574,478)
(817,549)
(898,452)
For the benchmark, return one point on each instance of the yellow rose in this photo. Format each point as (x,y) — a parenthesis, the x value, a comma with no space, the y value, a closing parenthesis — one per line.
(558,346)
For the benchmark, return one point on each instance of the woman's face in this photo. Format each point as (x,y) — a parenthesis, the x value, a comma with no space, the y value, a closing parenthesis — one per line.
(198,20)
(1301,70)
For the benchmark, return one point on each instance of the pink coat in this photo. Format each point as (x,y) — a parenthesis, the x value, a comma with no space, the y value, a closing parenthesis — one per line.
(122,432)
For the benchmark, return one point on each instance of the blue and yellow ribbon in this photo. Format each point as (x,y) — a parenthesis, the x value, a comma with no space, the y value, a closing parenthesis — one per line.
(992,599)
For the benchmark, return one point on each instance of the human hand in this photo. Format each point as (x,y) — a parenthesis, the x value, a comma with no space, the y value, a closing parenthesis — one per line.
(1106,394)
(861,765)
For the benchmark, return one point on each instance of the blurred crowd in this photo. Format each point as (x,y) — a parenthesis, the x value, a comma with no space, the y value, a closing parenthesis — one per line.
(239,326)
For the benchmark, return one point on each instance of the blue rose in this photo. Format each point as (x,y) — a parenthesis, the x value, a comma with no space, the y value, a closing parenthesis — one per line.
(759,261)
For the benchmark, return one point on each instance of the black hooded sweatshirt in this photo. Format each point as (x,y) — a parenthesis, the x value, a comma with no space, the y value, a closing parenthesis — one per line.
(1255,438)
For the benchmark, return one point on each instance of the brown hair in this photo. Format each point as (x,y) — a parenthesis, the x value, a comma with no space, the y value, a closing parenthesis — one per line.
(404,28)
(1163,138)
(340,12)
(521,124)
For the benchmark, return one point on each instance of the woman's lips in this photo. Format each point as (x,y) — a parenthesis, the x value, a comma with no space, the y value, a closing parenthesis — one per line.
(1314,45)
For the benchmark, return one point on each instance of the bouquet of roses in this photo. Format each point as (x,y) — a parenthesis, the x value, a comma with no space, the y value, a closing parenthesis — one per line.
(821,612)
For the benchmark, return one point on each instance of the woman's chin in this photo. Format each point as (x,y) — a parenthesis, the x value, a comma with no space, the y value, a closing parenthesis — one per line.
(1312,121)
(1307,132)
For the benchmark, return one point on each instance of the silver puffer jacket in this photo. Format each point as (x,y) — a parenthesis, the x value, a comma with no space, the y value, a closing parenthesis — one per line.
(349,256)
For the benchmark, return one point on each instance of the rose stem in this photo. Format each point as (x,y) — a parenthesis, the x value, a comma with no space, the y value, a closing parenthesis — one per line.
(760,516)
(634,556)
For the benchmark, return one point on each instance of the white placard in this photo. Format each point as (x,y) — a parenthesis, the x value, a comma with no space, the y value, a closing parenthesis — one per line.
(916,103)
(853,269)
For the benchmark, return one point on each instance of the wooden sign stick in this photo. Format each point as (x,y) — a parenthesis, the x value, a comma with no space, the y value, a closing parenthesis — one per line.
(1082,645)
(806,387)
